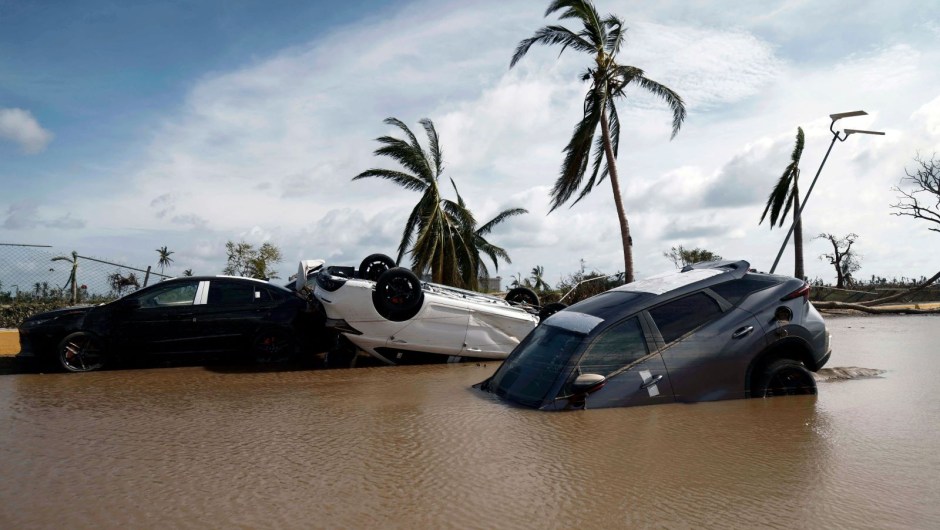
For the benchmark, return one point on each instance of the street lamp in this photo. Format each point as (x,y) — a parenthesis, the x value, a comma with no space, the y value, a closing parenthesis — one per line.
(835,136)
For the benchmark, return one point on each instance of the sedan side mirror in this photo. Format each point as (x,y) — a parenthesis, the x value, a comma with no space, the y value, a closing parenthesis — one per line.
(588,383)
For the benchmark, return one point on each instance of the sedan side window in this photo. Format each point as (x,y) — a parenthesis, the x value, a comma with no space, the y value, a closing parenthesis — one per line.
(681,316)
(180,294)
(615,348)
(230,293)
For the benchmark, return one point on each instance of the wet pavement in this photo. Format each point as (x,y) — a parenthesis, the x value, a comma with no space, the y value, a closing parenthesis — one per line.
(415,447)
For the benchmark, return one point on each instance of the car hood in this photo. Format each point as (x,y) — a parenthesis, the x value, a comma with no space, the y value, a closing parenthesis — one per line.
(57,313)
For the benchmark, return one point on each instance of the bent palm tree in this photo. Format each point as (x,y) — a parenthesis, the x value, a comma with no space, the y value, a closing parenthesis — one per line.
(472,267)
(786,195)
(441,235)
(164,260)
(430,226)
(602,38)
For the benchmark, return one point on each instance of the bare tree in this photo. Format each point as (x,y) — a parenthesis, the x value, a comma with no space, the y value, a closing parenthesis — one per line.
(923,199)
(843,258)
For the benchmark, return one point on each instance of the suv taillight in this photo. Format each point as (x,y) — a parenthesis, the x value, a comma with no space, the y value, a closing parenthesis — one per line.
(802,291)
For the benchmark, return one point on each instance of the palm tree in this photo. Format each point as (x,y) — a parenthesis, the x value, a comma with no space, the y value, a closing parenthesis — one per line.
(538,283)
(786,195)
(472,267)
(441,235)
(602,38)
(165,258)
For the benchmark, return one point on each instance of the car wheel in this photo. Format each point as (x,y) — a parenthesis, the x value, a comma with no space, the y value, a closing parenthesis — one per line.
(373,266)
(273,345)
(342,355)
(81,352)
(784,377)
(398,295)
(522,295)
(550,309)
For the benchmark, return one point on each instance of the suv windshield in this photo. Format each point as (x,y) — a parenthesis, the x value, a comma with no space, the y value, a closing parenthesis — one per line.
(529,373)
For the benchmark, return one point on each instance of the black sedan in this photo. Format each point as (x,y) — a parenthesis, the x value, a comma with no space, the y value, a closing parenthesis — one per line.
(202,315)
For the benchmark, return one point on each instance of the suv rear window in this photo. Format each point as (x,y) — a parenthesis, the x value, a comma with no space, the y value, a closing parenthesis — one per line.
(737,290)
(675,319)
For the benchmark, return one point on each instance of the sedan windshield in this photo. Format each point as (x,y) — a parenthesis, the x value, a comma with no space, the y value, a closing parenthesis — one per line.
(532,369)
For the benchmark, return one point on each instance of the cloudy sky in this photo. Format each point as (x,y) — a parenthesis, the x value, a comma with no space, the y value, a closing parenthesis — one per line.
(127,126)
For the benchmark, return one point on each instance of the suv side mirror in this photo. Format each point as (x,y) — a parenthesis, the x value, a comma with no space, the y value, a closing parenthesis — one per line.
(588,383)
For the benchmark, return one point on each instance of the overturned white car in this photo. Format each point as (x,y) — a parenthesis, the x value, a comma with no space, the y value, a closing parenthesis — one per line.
(388,313)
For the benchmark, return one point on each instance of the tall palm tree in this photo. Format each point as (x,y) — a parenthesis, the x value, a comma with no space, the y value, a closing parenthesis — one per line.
(786,195)
(165,259)
(472,267)
(602,38)
(441,235)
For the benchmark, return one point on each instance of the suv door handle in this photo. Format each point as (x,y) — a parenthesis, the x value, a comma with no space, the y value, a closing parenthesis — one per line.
(743,332)
(653,380)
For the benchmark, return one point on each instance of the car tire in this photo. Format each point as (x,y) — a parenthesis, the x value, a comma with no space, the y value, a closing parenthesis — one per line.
(273,345)
(342,354)
(522,295)
(374,265)
(81,352)
(550,309)
(398,295)
(784,377)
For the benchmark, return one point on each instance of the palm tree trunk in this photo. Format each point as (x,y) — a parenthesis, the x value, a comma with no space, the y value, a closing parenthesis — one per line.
(618,201)
(797,234)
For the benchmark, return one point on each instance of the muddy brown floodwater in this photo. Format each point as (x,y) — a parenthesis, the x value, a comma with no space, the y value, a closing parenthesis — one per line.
(415,447)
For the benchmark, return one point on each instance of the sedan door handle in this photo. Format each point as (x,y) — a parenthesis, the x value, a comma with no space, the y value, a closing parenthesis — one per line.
(743,332)
(653,380)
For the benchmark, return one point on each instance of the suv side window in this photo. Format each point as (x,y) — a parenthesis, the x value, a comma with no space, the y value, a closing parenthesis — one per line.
(676,318)
(615,348)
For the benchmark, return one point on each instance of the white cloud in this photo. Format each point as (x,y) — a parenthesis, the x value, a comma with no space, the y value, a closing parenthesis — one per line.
(20,127)
(266,152)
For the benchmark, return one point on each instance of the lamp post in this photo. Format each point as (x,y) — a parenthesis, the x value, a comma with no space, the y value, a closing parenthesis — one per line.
(835,136)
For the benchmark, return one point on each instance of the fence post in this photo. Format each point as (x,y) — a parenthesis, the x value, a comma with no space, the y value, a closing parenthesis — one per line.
(147,276)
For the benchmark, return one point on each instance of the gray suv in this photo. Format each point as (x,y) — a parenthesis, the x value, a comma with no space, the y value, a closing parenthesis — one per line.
(711,331)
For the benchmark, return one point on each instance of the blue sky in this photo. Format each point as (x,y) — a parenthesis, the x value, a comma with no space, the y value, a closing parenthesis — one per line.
(126,126)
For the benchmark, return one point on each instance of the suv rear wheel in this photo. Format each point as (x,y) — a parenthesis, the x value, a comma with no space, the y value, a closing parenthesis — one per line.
(784,377)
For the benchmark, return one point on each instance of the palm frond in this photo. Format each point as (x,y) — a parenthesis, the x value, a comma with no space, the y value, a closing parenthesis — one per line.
(409,182)
(577,153)
(615,35)
(502,216)
(406,155)
(550,35)
(437,155)
(584,11)
(669,96)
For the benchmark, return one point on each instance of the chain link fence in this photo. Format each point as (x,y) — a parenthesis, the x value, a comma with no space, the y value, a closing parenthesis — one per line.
(44,277)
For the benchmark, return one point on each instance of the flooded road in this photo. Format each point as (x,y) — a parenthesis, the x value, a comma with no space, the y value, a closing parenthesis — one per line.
(415,447)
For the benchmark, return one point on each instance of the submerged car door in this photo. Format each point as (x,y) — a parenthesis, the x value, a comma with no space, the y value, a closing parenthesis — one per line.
(634,375)
(163,322)
(707,346)
(493,332)
(440,327)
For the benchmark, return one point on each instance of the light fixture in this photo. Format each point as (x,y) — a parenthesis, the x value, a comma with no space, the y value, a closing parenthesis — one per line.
(835,136)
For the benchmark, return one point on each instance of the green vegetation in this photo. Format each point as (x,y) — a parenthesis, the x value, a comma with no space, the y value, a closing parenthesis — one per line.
(245,260)
(680,256)
(602,38)
(164,260)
